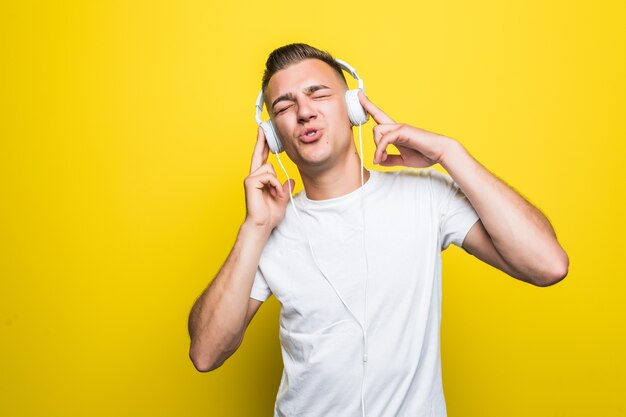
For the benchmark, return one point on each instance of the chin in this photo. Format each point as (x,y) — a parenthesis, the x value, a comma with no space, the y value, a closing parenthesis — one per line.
(315,160)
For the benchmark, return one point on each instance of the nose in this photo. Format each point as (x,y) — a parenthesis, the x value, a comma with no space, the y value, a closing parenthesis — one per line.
(306,110)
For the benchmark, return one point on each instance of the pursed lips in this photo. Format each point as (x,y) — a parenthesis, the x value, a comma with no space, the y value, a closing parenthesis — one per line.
(310,135)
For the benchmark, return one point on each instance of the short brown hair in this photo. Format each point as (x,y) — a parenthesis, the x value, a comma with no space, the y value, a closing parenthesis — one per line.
(294,53)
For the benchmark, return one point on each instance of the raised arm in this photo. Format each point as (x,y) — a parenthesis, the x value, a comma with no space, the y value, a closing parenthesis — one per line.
(511,235)
(510,229)
(221,314)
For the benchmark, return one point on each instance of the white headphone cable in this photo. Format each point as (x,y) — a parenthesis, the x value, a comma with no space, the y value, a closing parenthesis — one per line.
(365,348)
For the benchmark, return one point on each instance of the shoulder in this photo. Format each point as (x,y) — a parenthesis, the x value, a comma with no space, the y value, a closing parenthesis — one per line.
(410,185)
(413,176)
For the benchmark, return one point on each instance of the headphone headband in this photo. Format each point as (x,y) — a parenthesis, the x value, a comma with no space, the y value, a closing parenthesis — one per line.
(352,72)
(259,107)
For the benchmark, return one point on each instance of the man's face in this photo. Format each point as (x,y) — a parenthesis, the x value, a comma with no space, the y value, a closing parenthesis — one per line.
(308,110)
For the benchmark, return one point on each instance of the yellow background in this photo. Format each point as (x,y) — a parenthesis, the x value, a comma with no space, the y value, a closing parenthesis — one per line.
(127,129)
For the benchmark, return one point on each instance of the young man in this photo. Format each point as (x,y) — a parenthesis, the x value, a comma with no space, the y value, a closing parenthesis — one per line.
(357,270)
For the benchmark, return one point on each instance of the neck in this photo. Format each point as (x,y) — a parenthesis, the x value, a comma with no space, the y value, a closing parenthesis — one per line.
(339,180)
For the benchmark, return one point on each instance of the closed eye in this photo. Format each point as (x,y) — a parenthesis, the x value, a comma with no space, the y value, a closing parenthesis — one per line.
(282,110)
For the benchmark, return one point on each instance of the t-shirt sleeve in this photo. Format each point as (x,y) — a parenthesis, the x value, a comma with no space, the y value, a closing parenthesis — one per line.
(457,214)
(260,290)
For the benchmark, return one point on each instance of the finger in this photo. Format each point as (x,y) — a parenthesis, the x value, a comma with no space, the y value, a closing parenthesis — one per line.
(261,151)
(381,147)
(262,180)
(266,168)
(392,161)
(288,187)
(266,149)
(382,129)
(378,115)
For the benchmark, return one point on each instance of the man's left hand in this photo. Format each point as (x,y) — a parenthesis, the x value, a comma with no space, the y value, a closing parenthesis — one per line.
(418,148)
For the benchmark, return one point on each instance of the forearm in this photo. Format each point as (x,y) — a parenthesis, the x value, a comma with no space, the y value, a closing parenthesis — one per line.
(217,319)
(521,234)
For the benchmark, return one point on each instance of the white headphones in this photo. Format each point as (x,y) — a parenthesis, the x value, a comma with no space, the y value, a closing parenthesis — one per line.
(356,113)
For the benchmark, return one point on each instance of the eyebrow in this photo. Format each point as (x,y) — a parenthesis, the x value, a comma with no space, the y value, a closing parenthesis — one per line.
(289,96)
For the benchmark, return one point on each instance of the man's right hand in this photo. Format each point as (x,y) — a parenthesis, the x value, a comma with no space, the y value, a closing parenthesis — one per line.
(266,198)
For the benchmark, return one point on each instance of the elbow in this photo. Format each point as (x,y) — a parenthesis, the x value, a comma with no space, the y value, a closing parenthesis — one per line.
(203,361)
(208,357)
(556,274)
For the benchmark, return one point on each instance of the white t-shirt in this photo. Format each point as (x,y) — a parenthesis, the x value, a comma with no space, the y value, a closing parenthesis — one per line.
(410,217)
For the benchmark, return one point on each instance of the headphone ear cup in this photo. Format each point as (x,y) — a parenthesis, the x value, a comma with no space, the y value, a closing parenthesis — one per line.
(356,112)
(271,137)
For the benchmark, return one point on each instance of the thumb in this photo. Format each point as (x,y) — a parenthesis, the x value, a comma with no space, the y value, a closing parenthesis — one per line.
(288,187)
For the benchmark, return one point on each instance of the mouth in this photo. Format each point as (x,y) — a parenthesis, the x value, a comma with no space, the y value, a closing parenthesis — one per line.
(310,135)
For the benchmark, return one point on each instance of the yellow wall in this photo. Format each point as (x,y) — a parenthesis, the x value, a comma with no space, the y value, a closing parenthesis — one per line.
(127,129)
